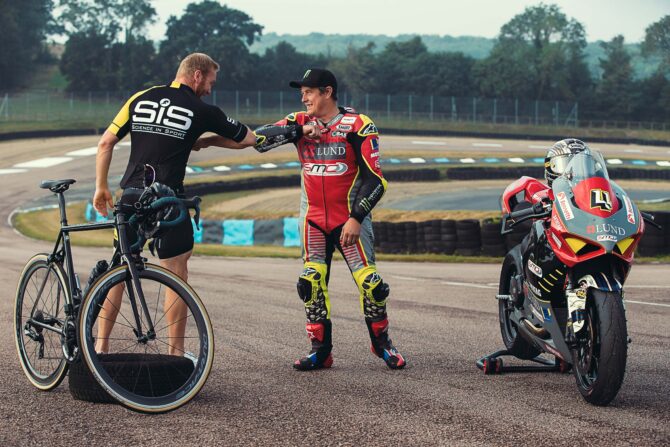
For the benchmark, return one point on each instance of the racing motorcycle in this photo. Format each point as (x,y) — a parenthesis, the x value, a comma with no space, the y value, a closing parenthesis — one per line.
(561,289)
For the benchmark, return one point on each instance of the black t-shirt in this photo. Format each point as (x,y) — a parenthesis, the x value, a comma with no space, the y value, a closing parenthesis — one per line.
(164,123)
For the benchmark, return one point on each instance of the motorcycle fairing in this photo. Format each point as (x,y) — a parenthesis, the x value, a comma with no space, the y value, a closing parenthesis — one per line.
(544,272)
(533,190)
(577,235)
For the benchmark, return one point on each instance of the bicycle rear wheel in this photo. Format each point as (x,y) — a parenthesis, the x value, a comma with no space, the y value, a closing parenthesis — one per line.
(39,318)
(158,372)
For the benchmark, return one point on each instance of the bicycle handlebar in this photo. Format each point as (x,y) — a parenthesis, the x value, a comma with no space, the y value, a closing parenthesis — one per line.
(183,205)
(142,211)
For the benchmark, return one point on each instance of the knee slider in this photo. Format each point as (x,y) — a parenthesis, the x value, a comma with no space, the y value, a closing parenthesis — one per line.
(313,291)
(309,284)
(375,289)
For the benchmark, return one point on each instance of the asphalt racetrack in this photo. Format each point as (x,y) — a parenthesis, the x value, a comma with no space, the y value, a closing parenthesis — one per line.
(443,317)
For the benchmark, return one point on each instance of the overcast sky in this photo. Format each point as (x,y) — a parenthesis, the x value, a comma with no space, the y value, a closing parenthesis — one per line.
(603,19)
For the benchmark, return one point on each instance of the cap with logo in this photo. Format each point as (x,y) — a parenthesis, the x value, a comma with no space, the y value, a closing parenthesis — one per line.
(316,77)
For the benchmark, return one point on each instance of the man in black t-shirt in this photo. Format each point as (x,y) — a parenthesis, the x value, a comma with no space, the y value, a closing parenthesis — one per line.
(164,123)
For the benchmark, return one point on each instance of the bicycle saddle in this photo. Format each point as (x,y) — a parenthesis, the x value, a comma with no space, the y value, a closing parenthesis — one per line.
(57,185)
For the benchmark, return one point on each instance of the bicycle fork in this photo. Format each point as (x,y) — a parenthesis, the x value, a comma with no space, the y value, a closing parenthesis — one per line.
(134,288)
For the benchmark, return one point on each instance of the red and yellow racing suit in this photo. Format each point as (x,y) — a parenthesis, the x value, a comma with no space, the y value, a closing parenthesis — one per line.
(341,178)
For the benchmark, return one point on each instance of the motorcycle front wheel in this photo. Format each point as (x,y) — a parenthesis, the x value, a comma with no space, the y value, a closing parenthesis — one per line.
(599,360)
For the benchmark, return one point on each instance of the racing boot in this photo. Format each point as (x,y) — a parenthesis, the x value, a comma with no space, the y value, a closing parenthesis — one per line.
(382,346)
(320,334)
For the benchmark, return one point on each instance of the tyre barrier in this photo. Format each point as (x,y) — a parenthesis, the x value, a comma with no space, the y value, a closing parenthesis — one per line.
(468,237)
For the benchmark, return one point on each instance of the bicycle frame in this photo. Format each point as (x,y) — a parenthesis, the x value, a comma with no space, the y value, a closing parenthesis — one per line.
(62,253)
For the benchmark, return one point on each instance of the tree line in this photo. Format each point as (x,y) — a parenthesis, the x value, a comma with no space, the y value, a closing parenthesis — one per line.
(538,55)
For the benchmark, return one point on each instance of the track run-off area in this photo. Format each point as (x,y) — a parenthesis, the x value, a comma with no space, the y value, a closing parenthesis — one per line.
(443,318)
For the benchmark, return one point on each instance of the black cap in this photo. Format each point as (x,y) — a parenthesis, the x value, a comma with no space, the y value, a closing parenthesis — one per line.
(316,77)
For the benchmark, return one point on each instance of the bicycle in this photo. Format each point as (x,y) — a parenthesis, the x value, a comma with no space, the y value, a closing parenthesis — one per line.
(56,323)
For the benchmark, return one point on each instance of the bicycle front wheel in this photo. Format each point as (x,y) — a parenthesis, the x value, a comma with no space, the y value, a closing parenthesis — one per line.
(149,372)
(39,320)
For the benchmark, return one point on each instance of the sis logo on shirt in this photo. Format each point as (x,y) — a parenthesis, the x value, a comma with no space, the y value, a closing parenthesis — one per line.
(162,118)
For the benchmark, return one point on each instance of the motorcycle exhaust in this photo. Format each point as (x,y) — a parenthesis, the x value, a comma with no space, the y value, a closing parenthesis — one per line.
(537,331)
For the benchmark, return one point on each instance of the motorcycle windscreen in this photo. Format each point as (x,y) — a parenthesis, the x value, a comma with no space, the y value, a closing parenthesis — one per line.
(590,206)
(591,186)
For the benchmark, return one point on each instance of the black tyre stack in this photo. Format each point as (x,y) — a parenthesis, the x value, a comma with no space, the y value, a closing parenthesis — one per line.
(380,231)
(519,231)
(389,235)
(663,219)
(655,242)
(448,236)
(421,246)
(493,243)
(410,239)
(433,236)
(468,237)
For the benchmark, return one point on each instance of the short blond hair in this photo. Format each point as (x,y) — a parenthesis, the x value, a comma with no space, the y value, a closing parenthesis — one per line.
(196,61)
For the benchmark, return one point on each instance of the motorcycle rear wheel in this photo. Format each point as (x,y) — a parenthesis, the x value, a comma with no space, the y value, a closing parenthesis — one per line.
(599,361)
(514,341)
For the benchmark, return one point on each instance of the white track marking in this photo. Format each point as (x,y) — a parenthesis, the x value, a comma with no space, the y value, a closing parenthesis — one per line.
(487,145)
(268,166)
(430,143)
(495,286)
(449,283)
(417,160)
(468,284)
(467,160)
(614,161)
(532,146)
(664,164)
(11,171)
(221,168)
(406,278)
(83,152)
(516,160)
(46,162)
(648,304)
(635,151)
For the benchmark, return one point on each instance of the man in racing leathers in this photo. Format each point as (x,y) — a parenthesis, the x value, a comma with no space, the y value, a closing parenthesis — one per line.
(164,123)
(341,183)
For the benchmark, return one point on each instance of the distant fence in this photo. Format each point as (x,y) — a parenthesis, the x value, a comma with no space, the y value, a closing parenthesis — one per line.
(30,106)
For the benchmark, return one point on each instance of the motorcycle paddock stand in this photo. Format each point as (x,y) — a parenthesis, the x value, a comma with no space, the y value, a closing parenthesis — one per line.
(493,364)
